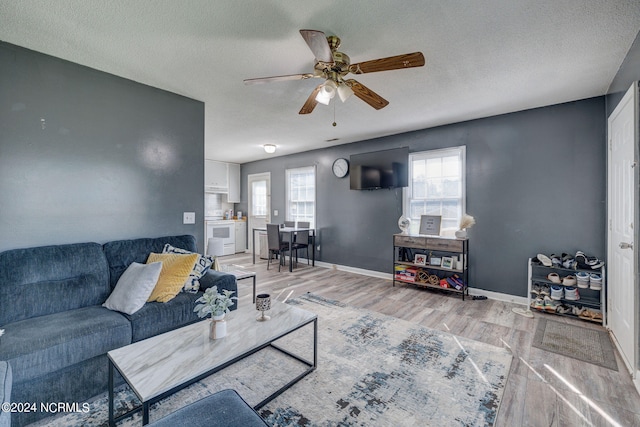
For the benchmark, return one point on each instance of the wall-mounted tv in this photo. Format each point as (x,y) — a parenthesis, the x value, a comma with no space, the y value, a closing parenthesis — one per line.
(380,169)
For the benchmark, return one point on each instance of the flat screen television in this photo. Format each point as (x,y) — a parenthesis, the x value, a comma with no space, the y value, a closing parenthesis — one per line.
(380,169)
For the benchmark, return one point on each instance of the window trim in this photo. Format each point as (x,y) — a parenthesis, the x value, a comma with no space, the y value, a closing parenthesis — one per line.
(460,151)
(315,191)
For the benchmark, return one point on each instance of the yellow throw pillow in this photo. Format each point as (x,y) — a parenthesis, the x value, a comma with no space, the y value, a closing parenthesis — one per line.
(175,271)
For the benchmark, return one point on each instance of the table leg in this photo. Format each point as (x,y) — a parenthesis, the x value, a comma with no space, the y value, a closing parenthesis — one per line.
(254,288)
(290,252)
(313,249)
(111,397)
(145,413)
(253,246)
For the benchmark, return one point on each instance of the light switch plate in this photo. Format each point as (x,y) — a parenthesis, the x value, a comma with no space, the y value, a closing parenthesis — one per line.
(189,218)
(275,212)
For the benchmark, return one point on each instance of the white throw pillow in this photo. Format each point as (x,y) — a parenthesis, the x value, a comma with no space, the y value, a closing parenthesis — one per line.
(134,287)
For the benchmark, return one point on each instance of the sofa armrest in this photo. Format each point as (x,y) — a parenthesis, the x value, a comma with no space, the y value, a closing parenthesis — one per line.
(6,381)
(222,281)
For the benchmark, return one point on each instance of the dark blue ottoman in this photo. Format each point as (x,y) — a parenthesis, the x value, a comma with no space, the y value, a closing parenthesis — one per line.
(225,408)
(5,393)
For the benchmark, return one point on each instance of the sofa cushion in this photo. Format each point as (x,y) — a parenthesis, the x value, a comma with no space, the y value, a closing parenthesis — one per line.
(121,253)
(223,409)
(158,317)
(51,279)
(40,345)
(176,268)
(5,392)
(134,287)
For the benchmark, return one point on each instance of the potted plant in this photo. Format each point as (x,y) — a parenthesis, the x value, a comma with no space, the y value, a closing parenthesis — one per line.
(217,305)
(465,222)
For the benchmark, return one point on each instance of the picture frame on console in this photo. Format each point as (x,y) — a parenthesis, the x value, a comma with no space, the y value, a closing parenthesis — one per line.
(420,259)
(430,225)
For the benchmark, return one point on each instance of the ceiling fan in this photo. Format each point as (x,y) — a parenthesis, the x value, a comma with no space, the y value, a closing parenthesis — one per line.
(332,66)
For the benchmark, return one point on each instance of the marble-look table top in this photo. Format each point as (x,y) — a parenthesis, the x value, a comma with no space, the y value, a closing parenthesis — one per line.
(161,363)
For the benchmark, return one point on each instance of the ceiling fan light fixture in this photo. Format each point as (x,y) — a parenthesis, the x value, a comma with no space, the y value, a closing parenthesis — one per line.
(344,92)
(322,97)
(269,148)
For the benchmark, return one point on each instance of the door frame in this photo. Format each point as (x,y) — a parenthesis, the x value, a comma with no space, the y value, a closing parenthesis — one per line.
(250,225)
(632,93)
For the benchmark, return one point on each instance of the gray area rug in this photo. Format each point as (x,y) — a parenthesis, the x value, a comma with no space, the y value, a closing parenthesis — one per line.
(373,370)
(585,344)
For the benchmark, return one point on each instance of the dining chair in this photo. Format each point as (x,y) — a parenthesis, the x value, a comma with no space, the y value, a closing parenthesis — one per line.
(276,245)
(289,223)
(302,240)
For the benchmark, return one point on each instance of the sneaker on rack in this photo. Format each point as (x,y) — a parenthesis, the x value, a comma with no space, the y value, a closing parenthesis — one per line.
(556,261)
(568,261)
(583,279)
(595,281)
(535,289)
(553,277)
(538,304)
(556,292)
(571,293)
(564,309)
(569,280)
(550,305)
(545,290)
(545,260)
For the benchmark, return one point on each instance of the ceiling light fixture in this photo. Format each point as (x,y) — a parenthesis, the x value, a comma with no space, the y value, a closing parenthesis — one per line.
(269,148)
(344,92)
(327,92)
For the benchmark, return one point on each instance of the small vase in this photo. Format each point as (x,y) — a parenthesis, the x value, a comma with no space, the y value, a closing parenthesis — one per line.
(218,327)
(461,234)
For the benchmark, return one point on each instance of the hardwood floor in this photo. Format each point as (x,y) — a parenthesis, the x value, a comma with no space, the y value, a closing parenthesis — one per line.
(543,389)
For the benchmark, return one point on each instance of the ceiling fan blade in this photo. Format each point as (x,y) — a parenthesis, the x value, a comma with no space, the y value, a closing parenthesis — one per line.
(408,60)
(311,102)
(317,42)
(367,95)
(279,78)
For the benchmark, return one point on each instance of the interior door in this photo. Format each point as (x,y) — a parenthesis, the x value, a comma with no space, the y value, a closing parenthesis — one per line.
(259,192)
(621,212)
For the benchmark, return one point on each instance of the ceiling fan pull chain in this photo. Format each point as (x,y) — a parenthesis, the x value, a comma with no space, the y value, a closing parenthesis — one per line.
(334,115)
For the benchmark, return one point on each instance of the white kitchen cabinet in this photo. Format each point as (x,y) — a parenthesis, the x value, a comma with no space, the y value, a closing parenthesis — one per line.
(216,176)
(234,183)
(241,236)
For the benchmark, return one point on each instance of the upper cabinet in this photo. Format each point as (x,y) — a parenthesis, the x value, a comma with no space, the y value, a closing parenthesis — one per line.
(221,177)
(234,183)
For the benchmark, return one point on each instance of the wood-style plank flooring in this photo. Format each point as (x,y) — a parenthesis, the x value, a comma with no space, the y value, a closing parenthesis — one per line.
(543,389)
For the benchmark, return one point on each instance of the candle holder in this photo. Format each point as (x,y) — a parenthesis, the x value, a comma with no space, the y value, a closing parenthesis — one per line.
(263,303)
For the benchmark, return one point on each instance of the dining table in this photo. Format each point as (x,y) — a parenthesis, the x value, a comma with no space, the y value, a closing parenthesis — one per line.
(290,232)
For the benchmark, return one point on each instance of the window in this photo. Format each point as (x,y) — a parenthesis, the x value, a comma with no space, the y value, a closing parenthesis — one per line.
(301,194)
(259,198)
(436,187)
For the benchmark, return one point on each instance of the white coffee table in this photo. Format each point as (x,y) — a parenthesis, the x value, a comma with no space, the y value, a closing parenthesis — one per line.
(160,366)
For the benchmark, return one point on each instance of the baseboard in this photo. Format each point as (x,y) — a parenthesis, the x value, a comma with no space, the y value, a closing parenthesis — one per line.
(387,276)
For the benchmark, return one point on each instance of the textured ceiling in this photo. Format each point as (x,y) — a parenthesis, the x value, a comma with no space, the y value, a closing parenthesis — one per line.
(482,58)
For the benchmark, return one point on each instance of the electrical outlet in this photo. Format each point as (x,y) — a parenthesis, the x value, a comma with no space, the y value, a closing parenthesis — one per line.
(188,217)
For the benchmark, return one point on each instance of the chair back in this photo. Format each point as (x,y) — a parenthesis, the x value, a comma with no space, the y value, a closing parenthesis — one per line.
(302,237)
(289,223)
(304,224)
(273,236)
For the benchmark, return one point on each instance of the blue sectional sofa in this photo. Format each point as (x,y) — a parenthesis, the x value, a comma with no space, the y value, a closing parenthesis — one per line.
(57,333)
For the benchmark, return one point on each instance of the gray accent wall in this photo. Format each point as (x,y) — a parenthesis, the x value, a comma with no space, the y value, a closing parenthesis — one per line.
(88,156)
(536,182)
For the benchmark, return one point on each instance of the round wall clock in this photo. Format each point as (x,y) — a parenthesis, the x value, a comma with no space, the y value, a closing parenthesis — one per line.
(340,168)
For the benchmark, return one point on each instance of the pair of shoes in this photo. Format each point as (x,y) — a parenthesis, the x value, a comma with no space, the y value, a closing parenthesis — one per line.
(569,280)
(582,278)
(554,277)
(543,259)
(557,292)
(568,261)
(595,282)
(556,261)
(538,304)
(588,262)
(571,293)
(577,310)
(536,289)
(564,309)
(545,290)
(592,315)
(549,305)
